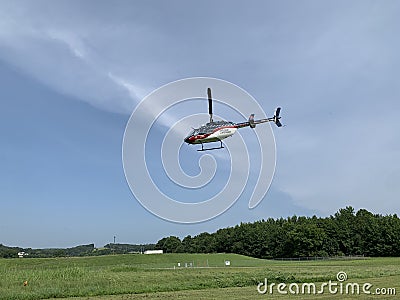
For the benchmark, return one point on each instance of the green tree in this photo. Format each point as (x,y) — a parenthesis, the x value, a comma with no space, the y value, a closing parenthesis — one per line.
(345,220)
(170,244)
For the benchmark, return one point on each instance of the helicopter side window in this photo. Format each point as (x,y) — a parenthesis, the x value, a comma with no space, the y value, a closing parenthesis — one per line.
(201,130)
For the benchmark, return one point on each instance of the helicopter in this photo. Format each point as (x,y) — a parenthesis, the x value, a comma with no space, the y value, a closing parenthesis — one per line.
(216,131)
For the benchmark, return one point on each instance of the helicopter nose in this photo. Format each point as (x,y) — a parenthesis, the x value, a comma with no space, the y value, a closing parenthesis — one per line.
(189,139)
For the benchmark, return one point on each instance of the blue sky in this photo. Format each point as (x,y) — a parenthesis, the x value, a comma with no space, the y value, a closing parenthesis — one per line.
(71,73)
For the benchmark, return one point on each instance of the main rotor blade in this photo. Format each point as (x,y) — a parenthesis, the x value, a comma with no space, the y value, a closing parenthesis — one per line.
(209,103)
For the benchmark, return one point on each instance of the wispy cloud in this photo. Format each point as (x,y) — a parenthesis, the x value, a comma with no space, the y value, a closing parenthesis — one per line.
(60,56)
(75,44)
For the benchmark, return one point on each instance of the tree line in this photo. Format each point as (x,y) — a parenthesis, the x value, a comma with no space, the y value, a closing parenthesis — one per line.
(345,233)
(12,252)
(81,250)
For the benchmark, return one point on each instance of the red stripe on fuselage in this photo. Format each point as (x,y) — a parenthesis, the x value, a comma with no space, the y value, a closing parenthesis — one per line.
(204,136)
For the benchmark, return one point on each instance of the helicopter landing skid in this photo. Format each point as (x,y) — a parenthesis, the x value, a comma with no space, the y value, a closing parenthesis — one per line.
(215,148)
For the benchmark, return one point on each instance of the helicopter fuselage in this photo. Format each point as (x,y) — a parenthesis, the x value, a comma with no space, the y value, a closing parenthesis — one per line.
(211,132)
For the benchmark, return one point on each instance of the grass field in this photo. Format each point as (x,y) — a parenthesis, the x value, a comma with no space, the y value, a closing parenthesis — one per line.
(159,277)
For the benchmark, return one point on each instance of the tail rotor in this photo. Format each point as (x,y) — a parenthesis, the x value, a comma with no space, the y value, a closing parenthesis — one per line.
(277,117)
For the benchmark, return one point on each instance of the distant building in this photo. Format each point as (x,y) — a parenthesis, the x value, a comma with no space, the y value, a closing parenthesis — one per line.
(153,252)
(22,254)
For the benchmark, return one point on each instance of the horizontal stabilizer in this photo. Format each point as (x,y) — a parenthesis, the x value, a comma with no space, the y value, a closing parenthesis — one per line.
(251,121)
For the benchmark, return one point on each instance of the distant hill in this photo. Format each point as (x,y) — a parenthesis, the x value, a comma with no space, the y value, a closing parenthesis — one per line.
(128,248)
(81,250)
(9,252)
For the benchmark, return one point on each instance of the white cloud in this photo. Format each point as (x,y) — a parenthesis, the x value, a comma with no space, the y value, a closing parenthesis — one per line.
(74,43)
(60,56)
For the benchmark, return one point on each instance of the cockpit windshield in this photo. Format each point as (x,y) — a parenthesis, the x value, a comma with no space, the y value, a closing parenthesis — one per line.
(196,131)
(209,128)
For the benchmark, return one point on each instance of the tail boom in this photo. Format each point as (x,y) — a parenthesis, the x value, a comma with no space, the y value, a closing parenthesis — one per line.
(252,123)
